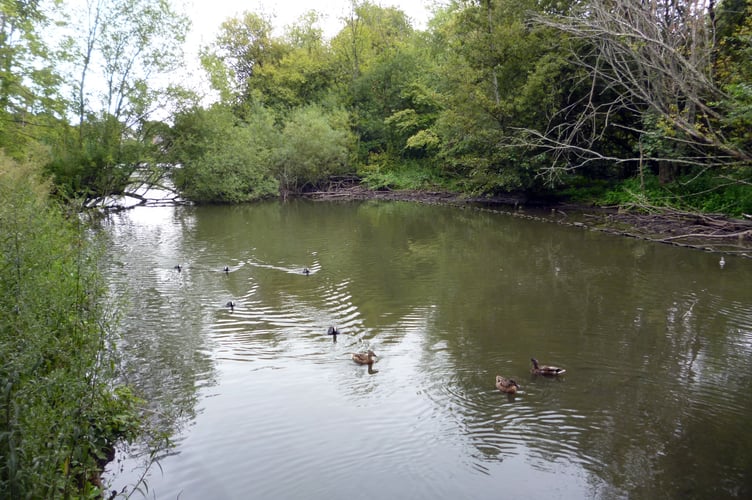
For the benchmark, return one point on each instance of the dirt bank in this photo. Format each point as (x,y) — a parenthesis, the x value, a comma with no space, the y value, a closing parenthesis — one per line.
(710,232)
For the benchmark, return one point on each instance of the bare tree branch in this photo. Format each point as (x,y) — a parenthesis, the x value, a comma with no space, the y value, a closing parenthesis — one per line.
(652,61)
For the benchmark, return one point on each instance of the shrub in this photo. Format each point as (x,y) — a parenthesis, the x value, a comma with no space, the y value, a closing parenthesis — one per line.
(59,413)
(313,147)
(225,160)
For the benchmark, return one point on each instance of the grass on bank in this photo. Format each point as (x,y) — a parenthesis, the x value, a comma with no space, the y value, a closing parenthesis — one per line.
(728,194)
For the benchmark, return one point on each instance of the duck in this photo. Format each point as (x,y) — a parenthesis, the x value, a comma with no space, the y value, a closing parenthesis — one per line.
(226,269)
(722,262)
(364,358)
(306,271)
(551,371)
(333,332)
(231,305)
(178,268)
(507,385)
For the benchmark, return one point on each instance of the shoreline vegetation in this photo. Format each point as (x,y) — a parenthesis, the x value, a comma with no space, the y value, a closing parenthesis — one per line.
(63,407)
(709,232)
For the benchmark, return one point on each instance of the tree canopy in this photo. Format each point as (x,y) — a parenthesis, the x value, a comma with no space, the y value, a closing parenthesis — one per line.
(542,98)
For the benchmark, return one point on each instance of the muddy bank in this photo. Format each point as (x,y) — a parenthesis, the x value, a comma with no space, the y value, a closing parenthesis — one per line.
(709,232)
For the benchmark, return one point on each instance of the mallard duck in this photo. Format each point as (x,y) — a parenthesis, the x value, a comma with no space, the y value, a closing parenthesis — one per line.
(364,358)
(231,305)
(507,385)
(551,371)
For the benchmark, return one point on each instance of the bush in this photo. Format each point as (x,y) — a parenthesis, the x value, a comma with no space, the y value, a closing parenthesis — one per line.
(729,194)
(313,147)
(224,160)
(59,413)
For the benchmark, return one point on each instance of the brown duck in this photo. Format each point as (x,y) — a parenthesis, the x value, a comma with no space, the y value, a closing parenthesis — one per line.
(507,385)
(547,370)
(364,358)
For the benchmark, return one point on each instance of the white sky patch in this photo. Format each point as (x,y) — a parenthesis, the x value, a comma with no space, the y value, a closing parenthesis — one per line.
(207,15)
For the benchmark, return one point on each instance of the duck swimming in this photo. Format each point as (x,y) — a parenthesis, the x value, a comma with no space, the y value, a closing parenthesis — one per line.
(226,269)
(364,358)
(507,385)
(306,271)
(231,305)
(178,268)
(333,332)
(547,370)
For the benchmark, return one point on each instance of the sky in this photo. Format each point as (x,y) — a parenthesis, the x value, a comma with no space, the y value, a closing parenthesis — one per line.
(207,15)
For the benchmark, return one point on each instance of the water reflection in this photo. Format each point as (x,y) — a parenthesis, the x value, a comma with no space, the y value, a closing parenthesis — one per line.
(656,342)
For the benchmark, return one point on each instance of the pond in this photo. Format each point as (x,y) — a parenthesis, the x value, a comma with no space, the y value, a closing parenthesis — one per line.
(656,342)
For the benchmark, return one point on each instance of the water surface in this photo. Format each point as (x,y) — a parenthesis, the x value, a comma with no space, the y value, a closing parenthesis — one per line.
(656,341)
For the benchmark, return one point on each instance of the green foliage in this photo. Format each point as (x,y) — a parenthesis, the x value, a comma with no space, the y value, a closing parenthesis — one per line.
(95,160)
(29,82)
(502,74)
(313,146)
(59,415)
(223,159)
(380,173)
(243,47)
(707,192)
(582,189)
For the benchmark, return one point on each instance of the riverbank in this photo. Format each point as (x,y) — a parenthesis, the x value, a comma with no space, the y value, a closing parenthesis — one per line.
(709,232)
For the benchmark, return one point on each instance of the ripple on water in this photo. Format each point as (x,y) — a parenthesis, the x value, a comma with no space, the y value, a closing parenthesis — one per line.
(291,407)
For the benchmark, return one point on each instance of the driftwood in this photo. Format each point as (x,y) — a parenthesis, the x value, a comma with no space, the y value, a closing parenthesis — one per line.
(714,232)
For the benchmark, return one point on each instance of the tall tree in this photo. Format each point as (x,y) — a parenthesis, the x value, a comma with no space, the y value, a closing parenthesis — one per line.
(119,67)
(500,73)
(302,74)
(28,80)
(244,46)
(375,65)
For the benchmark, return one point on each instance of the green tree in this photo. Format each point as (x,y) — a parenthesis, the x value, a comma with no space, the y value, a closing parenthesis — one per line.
(126,45)
(29,83)
(303,75)
(313,146)
(243,47)
(499,74)
(376,63)
(733,70)
(222,158)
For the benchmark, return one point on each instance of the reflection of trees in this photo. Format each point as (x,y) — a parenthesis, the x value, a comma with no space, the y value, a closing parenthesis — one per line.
(164,354)
(650,395)
(647,420)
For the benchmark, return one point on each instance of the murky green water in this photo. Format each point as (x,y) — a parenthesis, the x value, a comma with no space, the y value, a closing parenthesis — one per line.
(656,340)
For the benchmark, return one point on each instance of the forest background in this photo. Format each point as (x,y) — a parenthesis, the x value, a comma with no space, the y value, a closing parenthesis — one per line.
(600,101)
